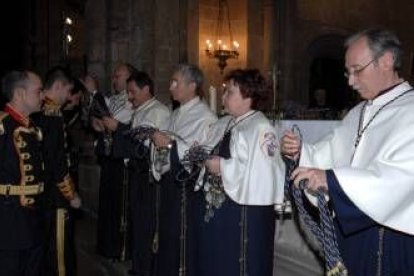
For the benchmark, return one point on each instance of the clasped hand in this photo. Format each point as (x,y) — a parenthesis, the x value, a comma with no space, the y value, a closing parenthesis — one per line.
(290,145)
(213,164)
(161,140)
(316,179)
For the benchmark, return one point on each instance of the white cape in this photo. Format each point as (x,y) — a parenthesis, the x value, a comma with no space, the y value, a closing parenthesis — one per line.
(379,179)
(255,173)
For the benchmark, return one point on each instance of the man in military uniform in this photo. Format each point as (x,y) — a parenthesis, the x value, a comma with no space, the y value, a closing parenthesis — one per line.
(60,192)
(21,177)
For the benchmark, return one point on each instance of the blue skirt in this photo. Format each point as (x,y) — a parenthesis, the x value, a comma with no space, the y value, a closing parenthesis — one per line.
(237,240)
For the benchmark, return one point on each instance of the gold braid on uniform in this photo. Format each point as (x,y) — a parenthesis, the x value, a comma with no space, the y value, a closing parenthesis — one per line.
(50,108)
(2,116)
(66,187)
(61,214)
(27,180)
(32,188)
(28,185)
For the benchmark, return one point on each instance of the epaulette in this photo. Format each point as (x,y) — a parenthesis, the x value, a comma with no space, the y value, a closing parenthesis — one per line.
(50,108)
(2,116)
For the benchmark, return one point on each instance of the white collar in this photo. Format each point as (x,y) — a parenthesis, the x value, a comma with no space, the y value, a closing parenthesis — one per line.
(395,92)
(188,105)
(245,115)
(145,104)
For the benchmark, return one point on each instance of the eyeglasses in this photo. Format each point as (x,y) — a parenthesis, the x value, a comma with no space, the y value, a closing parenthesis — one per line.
(358,71)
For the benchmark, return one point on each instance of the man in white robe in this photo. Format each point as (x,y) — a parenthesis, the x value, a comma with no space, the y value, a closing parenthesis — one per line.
(366,165)
(112,237)
(148,112)
(189,124)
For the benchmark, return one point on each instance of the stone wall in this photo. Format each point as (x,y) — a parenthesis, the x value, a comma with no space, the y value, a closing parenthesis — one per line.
(156,35)
(146,34)
(305,22)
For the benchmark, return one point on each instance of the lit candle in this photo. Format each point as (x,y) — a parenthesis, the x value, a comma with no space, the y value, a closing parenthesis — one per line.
(213,98)
(208,44)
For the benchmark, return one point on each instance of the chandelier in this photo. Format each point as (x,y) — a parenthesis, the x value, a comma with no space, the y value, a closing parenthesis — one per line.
(222,49)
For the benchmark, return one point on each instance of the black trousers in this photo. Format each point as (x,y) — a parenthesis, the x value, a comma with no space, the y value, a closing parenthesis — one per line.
(112,233)
(176,247)
(143,195)
(22,262)
(51,263)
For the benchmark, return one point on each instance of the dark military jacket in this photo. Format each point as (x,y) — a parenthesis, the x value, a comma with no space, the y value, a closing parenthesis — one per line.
(59,188)
(21,219)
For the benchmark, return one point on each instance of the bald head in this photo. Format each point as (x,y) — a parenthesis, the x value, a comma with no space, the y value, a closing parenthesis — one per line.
(120,76)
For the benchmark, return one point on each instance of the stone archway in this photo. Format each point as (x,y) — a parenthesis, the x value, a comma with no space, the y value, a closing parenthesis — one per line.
(325,69)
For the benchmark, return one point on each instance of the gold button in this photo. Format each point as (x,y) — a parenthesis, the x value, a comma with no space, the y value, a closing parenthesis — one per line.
(39,134)
(21,144)
(25,155)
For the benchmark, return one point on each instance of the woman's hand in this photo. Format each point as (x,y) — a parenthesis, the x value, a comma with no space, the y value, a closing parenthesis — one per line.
(213,164)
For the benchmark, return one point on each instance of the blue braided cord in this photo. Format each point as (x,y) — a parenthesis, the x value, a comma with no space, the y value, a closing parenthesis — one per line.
(192,161)
(325,230)
(309,222)
(333,255)
(143,132)
(140,133)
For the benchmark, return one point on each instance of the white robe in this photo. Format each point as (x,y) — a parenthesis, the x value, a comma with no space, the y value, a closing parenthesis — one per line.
(120,107)
(155,114)
(255,173)
(216,131)
(152,113)
(379,179)
(191,122)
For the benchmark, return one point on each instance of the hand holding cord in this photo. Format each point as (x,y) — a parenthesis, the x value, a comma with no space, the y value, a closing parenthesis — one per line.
(323,230)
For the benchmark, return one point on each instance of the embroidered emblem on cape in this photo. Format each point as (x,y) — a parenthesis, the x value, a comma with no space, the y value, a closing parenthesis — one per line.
(268,144)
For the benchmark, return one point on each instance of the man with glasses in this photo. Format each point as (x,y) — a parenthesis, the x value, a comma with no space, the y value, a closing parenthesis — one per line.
(366,166)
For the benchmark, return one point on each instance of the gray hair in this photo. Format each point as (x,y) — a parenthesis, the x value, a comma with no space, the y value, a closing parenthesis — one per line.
(191,73)
(379,42)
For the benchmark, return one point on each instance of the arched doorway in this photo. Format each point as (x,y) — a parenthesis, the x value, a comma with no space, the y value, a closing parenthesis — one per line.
(326,71)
